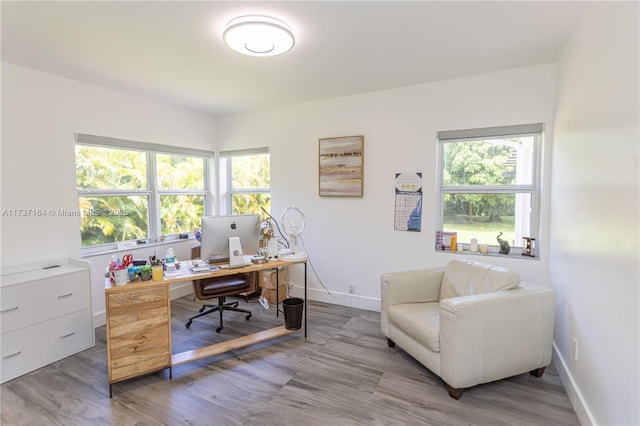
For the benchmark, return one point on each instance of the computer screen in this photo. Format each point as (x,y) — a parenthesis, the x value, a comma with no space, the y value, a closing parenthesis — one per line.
(216,231)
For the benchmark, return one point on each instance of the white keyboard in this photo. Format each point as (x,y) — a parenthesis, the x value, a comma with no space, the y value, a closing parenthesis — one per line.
(205,268)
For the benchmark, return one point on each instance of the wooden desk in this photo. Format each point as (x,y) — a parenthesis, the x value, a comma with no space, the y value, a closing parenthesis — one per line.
(139,324)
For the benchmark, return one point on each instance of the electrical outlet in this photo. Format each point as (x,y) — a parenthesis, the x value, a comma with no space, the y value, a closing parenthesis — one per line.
(575,349)
(352,288)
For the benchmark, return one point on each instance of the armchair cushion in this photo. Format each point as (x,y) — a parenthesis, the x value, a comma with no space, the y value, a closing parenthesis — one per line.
(465,278)
(421,321)
(421,285)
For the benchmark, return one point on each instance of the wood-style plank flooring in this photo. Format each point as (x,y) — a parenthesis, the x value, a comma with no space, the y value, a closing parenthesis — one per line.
(342,374)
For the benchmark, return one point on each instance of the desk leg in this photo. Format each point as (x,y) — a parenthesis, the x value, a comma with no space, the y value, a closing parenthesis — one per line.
(277,292)
(305,300)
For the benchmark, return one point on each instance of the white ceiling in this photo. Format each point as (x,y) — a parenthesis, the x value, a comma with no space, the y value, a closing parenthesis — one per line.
(173,50)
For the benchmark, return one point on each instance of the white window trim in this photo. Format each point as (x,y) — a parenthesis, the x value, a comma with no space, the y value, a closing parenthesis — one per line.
(226,189)
(152,192)
(534,129)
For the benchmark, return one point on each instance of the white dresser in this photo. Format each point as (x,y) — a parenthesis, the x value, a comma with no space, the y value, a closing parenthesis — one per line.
(45,315)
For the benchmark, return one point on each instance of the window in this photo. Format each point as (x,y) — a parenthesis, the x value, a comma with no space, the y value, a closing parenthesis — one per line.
(138,191)
(247,180)
(489,183)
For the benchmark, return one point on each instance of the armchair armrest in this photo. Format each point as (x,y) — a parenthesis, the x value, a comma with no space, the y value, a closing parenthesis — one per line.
(422,285)
(491,336)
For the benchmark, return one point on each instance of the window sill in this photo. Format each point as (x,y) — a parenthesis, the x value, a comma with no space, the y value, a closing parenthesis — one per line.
(515,253)
(168,241)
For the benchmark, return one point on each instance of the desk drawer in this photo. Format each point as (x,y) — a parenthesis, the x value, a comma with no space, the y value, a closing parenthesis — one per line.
(138,331)
(139,354)
(33,347)
(33,302)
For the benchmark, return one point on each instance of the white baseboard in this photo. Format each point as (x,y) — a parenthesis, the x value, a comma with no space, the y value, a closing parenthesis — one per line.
(180,290)
(99,319)
(321,295)
(580,405)
(336,298)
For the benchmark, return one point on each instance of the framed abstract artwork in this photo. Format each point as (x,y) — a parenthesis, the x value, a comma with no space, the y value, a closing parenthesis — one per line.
(342,166)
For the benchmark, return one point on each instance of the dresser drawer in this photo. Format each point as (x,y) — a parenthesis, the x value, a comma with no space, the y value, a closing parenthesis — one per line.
(36,301)
(33,347)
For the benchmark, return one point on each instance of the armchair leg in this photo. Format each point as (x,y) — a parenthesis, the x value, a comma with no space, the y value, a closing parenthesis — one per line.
(391,343)
(453,392)
(538,372)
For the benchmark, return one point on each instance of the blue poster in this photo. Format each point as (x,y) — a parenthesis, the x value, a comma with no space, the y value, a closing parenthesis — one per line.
(408,211)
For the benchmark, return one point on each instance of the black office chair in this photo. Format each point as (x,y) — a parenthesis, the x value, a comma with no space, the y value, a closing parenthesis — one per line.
(220,288)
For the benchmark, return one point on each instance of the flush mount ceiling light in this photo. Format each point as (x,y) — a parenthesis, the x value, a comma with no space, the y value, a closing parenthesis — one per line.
(258,35)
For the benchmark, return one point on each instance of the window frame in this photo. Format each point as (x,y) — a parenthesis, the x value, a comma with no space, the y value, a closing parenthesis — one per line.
(226,172)
(152,191)
(536,130)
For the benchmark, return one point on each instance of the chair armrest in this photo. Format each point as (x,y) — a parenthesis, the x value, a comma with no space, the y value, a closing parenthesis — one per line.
(421,285)
(491,336)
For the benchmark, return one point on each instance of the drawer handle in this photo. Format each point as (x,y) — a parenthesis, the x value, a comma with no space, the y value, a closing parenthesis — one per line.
(62,296)
(13,308)
(68,335)
(12,355)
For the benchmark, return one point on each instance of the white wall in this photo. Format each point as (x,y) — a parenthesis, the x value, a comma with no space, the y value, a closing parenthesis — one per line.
(40,115)
(594,261)
(352,240)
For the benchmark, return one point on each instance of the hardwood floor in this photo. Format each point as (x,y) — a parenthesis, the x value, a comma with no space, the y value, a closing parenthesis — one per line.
(342,374)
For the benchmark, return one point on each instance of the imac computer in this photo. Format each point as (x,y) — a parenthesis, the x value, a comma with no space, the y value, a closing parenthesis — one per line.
(216,231)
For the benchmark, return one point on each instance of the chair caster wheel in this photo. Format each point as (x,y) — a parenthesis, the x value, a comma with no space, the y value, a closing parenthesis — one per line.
(247,317)
(218,329)
(187,325)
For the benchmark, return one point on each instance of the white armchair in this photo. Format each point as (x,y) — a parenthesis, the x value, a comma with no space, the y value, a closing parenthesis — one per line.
(469,323)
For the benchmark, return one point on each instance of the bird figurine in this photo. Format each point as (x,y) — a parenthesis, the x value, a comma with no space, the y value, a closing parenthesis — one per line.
(504,245)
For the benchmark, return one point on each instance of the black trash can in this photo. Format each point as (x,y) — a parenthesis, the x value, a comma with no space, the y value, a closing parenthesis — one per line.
(292,307)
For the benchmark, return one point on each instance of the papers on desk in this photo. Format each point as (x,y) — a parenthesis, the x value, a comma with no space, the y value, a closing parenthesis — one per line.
(203,268)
